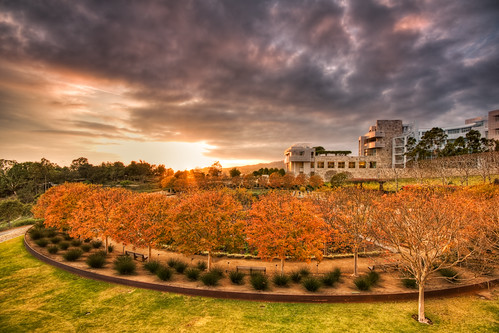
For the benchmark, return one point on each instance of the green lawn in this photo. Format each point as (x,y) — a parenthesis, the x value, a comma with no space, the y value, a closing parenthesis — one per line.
(36,297)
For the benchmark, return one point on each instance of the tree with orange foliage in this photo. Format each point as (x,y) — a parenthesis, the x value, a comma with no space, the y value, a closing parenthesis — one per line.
(427,227)
(349,212)
(207,221)
(315,181)
(98,215)
(275,180)
(143,220)
(281,225)
(57,205)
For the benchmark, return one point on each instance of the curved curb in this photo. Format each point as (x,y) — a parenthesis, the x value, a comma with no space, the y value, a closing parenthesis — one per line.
(266,297)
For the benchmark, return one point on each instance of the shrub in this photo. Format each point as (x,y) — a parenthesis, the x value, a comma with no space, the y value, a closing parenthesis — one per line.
(36,233)
(295,277)
(304,272)
(152,266)
(210,278)
(87,240)
(172,262)
(76,242)
(50,233)
(67,237)
(180,266)
(259,281)
(192,274)
(55,240)
(96,260)
(124,265)
(373,278)
(409,283)
(330,278)
(73,254)
(53,249)
(312,284)
(110,248)
(101,253)
(201,265)
(362,283)
(63,245)
(164,273)
(218,271)
(85,247)
(236,277)
(281,280)
(450,274)
(42,242)
(96,244)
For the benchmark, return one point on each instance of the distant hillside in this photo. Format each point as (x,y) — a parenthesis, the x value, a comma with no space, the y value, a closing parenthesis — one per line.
(250,168)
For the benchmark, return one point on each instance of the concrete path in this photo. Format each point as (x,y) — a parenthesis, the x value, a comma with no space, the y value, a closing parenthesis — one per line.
(13,233)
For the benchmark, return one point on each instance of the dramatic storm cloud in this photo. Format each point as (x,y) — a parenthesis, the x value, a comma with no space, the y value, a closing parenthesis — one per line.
(239,80)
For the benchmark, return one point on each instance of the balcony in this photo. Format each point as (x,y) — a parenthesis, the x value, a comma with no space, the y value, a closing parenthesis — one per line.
(375,134)
(372,145)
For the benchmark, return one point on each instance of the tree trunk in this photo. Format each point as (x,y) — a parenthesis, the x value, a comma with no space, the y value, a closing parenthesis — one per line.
(149,258)
(209,260)
(355,259)
(107,244)
(421,316)
(282,265)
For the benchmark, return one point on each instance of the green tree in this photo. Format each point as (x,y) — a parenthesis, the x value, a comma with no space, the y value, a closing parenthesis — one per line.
(234,172)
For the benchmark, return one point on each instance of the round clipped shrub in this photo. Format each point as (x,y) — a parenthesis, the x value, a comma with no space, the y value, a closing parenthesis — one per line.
(164,273)
(210,278)
(76,242)
(96,260)
(55,240)
(172,262)
(124,265)
(329,279)
(53,249)
(218,271)
(409,283)
(450,274)
(67,237)
(180,267)
(50,233)
(85,247)
(236,277)
(110,248)
(36,233)
(281,280)
(201,265)
(63,245)
(304,271)
(373,278)
(42,242)
(295,277)
(152,266)
(96,244)
(87,240)
(259,281)
(73,254)
(311,284)
(362,283)
(192,274)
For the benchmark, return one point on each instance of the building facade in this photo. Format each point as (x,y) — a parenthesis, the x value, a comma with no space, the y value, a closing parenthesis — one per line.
(493,124)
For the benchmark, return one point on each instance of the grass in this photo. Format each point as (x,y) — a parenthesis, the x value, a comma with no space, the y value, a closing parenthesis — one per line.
(37,297)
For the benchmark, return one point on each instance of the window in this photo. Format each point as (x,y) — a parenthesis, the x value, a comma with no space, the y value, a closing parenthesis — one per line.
(341,164)
(301,153)
(467,129)
(311,165)
(320,165)
(372,165)
(351,165)
(453,131)
(362,164)
(330,165)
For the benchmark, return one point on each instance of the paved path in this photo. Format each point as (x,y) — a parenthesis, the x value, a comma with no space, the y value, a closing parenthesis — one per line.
(13,233)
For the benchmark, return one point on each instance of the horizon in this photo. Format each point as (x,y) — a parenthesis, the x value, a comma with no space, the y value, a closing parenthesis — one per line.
(186,84)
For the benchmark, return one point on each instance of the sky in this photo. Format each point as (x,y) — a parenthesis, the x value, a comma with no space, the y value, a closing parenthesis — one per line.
(187,83)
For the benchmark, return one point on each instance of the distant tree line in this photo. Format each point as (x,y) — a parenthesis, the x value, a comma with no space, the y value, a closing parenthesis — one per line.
(27,180)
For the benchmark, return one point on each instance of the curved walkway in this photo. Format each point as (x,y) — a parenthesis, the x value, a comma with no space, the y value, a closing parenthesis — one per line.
(262,296)
(13,233)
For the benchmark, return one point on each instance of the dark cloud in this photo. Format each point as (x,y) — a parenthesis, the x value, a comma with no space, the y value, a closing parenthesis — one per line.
(252,77)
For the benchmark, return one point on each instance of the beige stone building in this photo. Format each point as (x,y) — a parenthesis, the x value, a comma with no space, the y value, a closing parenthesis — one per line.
(493,125)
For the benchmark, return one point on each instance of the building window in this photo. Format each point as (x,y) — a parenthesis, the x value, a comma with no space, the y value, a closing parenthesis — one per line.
(497,130)
(453,131)
(372,165)
(311,165)
(341,164)
(330,165)
(301,153)
(467,129)
(351,165)
(362,164)
(320,165)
